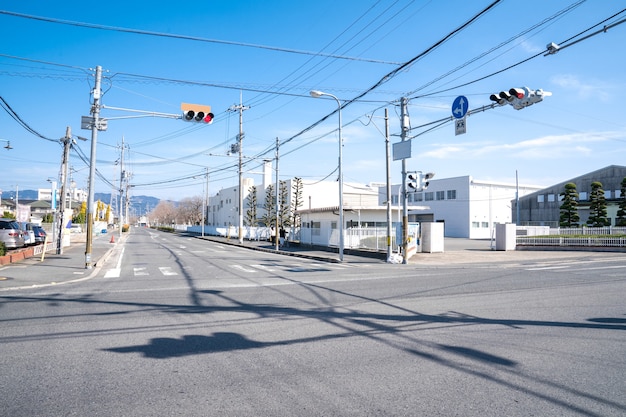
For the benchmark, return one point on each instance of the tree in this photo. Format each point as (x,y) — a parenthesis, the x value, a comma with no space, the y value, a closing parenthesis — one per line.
(569,207)
(81,217)
(251,213)
(597,208)
(296,201)
(269,217)
(285,209)
(620,220)
(189,210)
(164,213)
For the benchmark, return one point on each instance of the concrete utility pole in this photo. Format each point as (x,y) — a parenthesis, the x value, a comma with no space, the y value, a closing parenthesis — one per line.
(95,111)
(67,143)
(122,177)
(404,122)
(388,167)
(277,234)
(240,108)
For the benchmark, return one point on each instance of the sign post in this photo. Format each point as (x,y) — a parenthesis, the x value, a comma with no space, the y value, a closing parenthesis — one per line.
(460,106)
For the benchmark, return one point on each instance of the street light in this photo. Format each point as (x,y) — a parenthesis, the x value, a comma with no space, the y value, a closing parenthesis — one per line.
(317,94)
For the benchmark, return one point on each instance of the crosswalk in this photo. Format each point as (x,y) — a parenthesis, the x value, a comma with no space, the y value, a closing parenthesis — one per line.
(155,270)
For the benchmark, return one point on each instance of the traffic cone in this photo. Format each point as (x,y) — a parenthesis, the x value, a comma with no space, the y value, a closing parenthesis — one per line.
(112,238)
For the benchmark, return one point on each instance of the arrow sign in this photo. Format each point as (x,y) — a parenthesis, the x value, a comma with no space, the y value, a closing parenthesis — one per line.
(460,107)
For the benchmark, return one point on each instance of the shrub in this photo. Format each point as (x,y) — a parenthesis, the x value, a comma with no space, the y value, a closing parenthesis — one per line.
(3,249)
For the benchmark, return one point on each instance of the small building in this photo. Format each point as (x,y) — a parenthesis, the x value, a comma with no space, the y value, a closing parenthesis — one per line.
(543,207)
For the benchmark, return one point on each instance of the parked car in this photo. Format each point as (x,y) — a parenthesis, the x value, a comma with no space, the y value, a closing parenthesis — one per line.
(29,235)
(40,234)
(10,234)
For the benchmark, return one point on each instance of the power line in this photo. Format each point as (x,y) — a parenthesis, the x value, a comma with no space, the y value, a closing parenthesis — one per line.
(186,37)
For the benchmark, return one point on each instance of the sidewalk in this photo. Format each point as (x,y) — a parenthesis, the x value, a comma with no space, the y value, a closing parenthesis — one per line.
(56,269)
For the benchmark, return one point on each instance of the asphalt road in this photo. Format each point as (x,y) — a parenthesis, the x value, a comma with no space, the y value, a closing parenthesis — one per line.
(176,326)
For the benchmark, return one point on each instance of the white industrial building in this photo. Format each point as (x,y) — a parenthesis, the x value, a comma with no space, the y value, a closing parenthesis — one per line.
(468,208)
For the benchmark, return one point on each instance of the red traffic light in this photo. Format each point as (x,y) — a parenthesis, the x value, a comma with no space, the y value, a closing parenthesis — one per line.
(197,113)
(517,93)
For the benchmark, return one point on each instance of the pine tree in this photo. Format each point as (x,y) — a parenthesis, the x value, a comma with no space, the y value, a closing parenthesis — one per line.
(597,209)
(285,209)
(251,213)
(569,207)
(269,217)
(296,201)
(621,212)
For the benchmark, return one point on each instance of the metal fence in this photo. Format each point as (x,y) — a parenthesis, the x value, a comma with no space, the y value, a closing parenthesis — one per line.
(598,231)
(373,238)
(609,242)
(609,237)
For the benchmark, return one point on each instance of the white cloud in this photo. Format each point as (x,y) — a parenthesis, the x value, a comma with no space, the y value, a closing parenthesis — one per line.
(596,90)
(546,147)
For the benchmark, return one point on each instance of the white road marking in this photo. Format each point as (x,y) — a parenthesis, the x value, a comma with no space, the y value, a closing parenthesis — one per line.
(263,267)
(138,271)
(167,270)
(242,268)
(113,273)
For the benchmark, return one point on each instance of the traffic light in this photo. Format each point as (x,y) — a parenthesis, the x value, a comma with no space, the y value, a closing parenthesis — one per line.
(197,113)
(413,180)
(424,180)
(519,97)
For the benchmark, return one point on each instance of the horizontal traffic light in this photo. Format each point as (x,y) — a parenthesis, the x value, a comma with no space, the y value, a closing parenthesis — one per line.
(197,113)
(519,97)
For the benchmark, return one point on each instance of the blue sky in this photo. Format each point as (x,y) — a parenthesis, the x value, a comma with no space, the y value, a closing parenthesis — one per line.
(273,53)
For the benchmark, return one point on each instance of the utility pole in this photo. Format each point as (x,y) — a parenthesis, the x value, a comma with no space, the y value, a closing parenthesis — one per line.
(95,111)
(67,143)
(240,108)
(388,166)
(277,234)
(404,122)
(122,176)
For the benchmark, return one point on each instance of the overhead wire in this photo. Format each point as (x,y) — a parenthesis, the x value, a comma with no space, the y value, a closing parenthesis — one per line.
(182,37)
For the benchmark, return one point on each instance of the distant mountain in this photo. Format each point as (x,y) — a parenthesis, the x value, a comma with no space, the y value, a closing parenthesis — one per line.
(139,204)
(23,195)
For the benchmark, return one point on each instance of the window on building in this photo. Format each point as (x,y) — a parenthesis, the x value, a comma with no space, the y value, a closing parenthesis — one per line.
(394,199)
(540,198)
(451,194)
(607,194)
(582,196)
(618,193)
(315,228)
(475,225)
(418,197)
(551,198)
(484,225)
(333,225)
(441,195)
(410,198)
(429,196)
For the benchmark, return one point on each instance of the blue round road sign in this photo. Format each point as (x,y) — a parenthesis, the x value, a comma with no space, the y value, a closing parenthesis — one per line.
(460,107)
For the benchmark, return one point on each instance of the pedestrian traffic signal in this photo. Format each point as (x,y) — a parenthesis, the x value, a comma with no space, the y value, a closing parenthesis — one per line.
(413,180)
(197,113)
(519,97)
